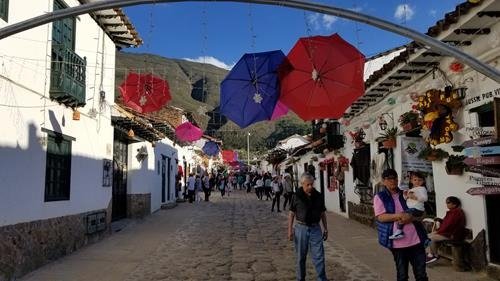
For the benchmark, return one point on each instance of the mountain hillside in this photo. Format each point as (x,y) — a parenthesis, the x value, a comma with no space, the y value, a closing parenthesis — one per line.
(185,79)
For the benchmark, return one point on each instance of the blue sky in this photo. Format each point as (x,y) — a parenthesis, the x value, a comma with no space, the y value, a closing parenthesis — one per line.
(223,32)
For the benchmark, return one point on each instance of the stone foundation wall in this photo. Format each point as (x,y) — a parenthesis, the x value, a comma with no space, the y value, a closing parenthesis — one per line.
(27,246)
(138,205)
(362,213)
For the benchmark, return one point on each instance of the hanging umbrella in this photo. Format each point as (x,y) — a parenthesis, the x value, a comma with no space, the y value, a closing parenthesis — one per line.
(324,77)
(211,148)
(279,110)
(228,156)
(145,92)
(250,90)
(188,132)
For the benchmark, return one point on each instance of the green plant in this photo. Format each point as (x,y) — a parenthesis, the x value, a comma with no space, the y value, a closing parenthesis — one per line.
(432,154)
(408,117)
(457,148)
(388,134)
(455,164)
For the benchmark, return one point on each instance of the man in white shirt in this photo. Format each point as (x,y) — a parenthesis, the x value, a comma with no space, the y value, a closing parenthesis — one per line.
(191,184)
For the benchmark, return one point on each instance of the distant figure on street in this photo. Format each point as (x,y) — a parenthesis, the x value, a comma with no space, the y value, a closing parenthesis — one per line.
(415,197)
(277,190)
(191,185)
(308,206)
(287,190)
(389,207)
(452,227)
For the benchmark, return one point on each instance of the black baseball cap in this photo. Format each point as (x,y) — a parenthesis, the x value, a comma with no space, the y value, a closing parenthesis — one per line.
(389,173)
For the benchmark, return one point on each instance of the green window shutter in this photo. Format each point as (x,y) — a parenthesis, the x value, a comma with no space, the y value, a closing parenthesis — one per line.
(4,10)
(63,31)
(58,168)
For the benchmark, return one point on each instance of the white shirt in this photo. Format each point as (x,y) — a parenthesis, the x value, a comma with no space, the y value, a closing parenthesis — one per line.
(276,186)
(421,193)
(191,183)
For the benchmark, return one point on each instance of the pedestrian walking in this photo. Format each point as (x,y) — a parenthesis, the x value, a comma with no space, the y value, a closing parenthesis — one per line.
(206,186)
(389,207)
(287,190)
(277,190)
(198,188)
(308,206)
(191,185)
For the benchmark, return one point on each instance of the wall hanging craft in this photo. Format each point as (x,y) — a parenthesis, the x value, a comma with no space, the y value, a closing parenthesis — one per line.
(437,107)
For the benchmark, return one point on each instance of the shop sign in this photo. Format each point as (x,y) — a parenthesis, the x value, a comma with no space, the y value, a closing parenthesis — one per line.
(477,132)
(481,151)
(492,160)
(486,96)
(480,141)
(484,190)
(483,180)
(485,171)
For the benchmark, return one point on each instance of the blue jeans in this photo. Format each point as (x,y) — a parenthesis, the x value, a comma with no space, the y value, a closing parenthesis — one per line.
(415,255)
(305,238)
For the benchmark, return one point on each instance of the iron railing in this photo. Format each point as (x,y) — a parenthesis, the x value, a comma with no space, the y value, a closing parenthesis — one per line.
(67,79)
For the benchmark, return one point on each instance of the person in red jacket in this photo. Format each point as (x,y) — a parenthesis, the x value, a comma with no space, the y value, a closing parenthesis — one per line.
(452,228)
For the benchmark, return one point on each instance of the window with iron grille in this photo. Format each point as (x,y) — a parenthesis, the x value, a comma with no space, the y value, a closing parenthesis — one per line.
(58,168)
(4,9)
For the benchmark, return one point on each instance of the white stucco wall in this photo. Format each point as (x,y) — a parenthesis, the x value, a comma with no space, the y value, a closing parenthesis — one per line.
(24,87)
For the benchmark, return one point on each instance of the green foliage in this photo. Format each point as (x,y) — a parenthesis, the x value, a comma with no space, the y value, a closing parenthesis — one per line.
(388,134)
(432,154)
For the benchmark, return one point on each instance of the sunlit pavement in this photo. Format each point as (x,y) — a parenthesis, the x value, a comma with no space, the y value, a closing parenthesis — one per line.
(231,238)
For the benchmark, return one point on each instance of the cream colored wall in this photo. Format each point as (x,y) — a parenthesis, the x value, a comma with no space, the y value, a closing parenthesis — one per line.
(26,109)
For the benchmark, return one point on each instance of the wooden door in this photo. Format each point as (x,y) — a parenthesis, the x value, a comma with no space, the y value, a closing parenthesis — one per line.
(120,172)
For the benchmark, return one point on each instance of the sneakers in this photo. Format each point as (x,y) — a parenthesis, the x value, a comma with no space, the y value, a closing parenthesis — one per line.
(431,259)
(397,235)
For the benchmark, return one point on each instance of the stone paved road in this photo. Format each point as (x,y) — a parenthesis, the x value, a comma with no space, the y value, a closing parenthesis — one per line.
(235,238)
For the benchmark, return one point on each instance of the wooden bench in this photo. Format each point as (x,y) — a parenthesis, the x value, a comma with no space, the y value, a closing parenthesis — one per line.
(458,252)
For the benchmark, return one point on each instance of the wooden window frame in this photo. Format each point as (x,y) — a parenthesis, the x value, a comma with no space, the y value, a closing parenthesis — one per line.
(58,167)
(4,11)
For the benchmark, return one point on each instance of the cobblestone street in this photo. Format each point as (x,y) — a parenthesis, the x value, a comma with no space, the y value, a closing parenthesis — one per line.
(235,238)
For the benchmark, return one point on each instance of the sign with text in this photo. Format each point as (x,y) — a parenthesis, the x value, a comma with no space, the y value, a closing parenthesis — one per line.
(483,180)
(477,100)
(482,151)
(410,148)
(480,141)
(485,171)
(484,190)
(492,160)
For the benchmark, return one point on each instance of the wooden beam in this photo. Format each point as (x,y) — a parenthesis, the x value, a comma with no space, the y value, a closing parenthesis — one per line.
(492,14)
(431,54)
(472,31)
(423,63)
(417,71)
(458,43)
(400,77)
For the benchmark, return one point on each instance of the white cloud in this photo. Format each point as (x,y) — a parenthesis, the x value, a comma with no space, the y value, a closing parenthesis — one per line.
(212,61)
(318,21)
(404,12)
(433,13)
(357,9)
(328,21)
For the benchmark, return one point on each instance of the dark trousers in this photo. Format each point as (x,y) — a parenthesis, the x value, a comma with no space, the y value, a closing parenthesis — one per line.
(207,193)
(276,200)
(414,255)
(288,198)
(191,196)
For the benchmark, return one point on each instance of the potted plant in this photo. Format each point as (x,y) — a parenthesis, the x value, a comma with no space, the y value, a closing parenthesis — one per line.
(432,154)
(388,137)
(409,120)
(455,164)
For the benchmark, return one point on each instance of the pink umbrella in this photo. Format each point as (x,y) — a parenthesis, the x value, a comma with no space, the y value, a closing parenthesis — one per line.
(188,132)
(279,110)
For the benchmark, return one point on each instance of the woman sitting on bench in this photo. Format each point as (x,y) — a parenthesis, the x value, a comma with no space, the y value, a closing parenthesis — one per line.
(452,228)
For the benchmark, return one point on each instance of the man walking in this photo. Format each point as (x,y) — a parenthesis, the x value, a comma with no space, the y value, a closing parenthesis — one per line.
(389,206)
(308,206)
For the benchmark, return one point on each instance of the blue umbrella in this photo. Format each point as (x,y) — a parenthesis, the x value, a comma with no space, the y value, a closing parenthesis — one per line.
(251,89)
(211,148)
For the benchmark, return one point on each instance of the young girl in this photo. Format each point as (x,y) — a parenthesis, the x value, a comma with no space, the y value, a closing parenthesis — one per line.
(415,197)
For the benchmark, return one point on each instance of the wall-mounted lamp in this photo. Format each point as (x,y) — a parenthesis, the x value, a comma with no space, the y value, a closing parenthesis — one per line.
(461,92)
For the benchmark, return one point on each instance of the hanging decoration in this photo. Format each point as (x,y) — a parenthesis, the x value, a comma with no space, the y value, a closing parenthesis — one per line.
(250,90)
(322,77)
(211,148)
(228,156)
(145,92)
(456,67)
(391,101)
(437,107)
(188,132)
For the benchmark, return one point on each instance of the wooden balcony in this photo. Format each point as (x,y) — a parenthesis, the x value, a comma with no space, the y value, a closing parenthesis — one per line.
(67,79)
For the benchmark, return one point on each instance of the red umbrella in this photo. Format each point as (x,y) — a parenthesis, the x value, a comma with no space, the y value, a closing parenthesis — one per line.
(323,76)
(188,132)
(228,156)
(145,92)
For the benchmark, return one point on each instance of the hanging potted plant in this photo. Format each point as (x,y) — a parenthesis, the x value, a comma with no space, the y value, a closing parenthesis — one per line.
(388,137)
(455,164)
(409,120)
(432,154)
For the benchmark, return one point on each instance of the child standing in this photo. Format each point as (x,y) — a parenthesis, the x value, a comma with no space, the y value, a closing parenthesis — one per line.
(415,197)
